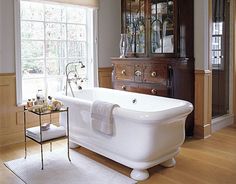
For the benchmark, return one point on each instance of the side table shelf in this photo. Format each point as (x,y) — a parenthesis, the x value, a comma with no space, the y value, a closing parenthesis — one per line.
(46,136)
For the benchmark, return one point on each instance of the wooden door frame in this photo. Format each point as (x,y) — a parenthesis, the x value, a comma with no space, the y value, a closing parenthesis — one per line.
(232,58)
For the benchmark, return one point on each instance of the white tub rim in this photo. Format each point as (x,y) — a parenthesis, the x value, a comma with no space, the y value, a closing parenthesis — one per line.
(150,117)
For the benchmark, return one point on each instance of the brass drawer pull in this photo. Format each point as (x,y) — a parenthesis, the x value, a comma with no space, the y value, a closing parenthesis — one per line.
(154,74)
(123,87)
(123,72)
(154,91)
(138,73)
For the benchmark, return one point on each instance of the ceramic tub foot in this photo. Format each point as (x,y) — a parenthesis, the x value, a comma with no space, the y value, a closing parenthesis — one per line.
(73,145)
(169,163)
(139,175)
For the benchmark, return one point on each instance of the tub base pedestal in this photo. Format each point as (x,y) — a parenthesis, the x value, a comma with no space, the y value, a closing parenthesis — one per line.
(169,163)
(139,175)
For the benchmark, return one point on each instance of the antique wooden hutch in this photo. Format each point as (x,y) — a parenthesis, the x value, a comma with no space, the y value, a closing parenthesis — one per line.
(160,58)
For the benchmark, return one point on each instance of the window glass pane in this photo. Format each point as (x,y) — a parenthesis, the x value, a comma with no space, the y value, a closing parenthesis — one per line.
(76,32)
(30,87)
(32,30)
(76,15)
(55,85)
(55,49)
(217,28)
(55,31)
(76,49)
(55,13)
(216,57)
(32,11)
(216,42)
(52,35)
(32,49)
(32,68)
(53,67)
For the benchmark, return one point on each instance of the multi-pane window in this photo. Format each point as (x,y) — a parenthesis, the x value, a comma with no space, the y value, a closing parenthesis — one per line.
(52,35)
(217,45)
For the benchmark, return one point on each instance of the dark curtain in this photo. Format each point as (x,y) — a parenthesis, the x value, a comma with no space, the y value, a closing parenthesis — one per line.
(218,10)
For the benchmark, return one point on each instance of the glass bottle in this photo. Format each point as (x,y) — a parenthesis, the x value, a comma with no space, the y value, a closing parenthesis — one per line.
(123,45)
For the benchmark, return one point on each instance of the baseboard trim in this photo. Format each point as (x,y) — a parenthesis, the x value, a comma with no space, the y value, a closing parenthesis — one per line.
(221,122)
(202,132)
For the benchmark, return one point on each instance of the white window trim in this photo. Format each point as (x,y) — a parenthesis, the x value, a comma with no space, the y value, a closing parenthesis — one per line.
(92,59)
(18,53)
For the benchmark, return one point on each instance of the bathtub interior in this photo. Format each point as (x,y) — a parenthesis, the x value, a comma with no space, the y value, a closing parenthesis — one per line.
(132,101)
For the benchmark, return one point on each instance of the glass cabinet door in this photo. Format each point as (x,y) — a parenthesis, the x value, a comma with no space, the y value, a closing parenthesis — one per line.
(162,26)
(134,17)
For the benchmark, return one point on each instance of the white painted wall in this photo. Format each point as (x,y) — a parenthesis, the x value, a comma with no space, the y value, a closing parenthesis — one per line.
(109,26)
(109,22)
(108,33)
(201,34)
(7,53)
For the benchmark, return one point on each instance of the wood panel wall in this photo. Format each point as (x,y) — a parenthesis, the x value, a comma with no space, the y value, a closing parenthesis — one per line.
(11,116)
(234,58)
(105,75)
(10,124)
(203,103)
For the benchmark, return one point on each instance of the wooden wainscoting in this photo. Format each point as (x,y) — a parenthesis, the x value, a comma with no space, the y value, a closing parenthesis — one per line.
(203,103)
(9,124)
(105,75)
(234,58)
(11,116)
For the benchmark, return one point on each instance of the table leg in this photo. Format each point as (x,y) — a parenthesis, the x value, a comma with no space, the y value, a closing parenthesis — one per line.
(25,132)
(41,139)
(68,134)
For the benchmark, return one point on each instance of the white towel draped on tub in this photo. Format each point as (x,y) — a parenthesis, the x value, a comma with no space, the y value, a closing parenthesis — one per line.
(101,116)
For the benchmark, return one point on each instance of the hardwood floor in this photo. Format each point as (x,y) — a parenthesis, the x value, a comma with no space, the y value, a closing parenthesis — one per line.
(209,161)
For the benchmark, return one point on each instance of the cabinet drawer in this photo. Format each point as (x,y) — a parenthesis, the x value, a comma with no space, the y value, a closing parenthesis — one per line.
(158,90)
(126,86)
(124,72)
(155,73)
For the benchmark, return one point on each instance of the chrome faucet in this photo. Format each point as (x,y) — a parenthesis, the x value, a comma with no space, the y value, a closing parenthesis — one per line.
(72,75)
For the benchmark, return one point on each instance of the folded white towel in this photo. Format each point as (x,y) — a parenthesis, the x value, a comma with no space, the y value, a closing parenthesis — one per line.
(101,116)
(52,133)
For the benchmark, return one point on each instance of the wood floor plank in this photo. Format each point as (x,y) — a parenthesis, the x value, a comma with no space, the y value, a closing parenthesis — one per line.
(209,161)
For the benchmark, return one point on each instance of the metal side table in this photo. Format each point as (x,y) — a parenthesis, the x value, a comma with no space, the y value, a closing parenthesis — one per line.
(41,141)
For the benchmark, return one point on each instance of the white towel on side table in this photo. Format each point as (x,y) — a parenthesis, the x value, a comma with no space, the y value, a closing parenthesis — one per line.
(52,133)
(101,116)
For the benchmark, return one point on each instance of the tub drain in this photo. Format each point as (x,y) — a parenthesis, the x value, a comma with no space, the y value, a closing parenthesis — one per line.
(134,101)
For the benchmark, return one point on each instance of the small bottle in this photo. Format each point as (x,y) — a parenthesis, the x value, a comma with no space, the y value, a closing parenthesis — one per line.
(33,102)
(38,101)
(49,102)
(40,97)
(29,103)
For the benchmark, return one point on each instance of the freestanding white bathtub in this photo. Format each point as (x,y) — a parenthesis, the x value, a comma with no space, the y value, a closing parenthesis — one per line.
(148,130)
